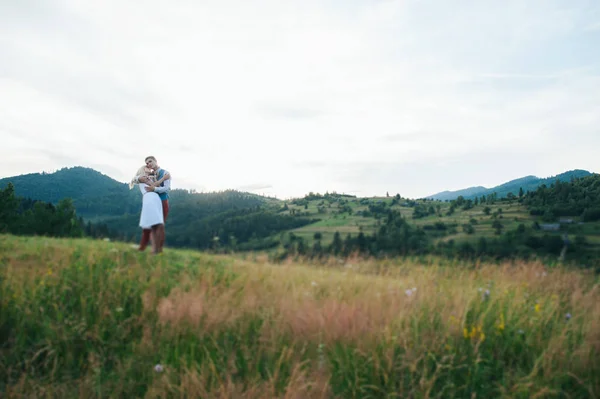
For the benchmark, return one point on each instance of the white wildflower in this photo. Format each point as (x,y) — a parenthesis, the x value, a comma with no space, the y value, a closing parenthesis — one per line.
(486,295)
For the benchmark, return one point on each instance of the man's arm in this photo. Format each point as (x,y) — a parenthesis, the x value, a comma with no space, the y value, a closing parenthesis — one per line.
(167,186)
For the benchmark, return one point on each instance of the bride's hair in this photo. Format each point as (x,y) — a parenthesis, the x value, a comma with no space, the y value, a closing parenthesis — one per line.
(142,171)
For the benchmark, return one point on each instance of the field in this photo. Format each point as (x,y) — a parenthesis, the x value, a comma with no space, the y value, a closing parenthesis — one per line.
(83,318)
(512,214)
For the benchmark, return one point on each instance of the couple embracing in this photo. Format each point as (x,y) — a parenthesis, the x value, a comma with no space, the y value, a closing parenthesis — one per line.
(154,183)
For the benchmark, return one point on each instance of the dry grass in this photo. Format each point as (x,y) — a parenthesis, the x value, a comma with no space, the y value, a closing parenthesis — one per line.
(225,327)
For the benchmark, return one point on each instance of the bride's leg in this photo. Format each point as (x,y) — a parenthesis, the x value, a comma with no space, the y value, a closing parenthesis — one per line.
(154,240)
(145,239)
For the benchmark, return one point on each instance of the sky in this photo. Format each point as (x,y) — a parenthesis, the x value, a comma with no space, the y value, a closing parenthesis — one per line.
(285,97)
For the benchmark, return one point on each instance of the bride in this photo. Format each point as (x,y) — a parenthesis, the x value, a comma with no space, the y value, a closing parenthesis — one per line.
(151,217)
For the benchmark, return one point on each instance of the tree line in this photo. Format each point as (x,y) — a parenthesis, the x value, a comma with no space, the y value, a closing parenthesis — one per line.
(24,216)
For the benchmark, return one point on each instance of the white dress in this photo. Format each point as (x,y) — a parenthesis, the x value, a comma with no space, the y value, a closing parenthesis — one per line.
(152,213)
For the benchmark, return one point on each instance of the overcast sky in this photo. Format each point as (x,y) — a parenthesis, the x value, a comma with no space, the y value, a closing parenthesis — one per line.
(285,97)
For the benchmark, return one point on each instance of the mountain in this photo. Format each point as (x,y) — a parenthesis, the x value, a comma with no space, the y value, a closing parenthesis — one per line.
(466,192)
(195,219)
(94,194)
(99,197)
(527,183)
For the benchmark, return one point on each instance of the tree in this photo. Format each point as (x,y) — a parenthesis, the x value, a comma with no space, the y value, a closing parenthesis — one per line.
(468,228)
(361,242)
(336,245)
(548,216)
(301,246)
(9,204)
(482,246)
(317,249)
(348,244)
(521,192)
(66,224)
(468,204)
(487,210)
(497,226)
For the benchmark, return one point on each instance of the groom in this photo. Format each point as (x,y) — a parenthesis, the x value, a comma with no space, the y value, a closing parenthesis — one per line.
(163,193)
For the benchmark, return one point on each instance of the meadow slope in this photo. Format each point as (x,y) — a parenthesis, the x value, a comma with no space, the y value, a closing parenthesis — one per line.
(84,318)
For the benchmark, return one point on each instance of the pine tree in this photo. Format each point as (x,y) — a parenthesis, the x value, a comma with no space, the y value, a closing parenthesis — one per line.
(9,204)
(336,245)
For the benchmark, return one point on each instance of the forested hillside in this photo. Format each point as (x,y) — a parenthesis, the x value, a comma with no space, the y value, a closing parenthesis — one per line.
(95,196)
(580,198)
(560,220)
(197,220)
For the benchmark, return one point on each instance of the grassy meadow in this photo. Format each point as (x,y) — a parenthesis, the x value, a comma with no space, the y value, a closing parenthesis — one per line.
(84,318)
(512,214)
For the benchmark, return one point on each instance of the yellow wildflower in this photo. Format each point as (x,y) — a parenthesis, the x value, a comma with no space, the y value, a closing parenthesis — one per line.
(537,307)
(473,332)
(501,325)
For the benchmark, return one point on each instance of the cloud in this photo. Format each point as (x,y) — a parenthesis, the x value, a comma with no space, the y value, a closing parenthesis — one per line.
(254,187)
(289,112)
(306,95)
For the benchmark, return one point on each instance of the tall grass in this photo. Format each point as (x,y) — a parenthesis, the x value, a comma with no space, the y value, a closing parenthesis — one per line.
(92,319)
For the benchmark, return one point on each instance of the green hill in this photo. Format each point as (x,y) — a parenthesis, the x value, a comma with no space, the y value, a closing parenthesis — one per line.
(341,224)
(195,219)
(99,197)
(527,183)
(95,195)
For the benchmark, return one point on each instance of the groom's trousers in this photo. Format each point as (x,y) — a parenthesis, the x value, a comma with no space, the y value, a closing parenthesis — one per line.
(146,232)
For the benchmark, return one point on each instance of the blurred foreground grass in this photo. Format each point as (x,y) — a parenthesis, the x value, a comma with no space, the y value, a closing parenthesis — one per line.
(82,318)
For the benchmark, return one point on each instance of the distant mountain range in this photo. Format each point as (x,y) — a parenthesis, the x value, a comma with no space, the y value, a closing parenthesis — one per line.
(527,183)
(97,196)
